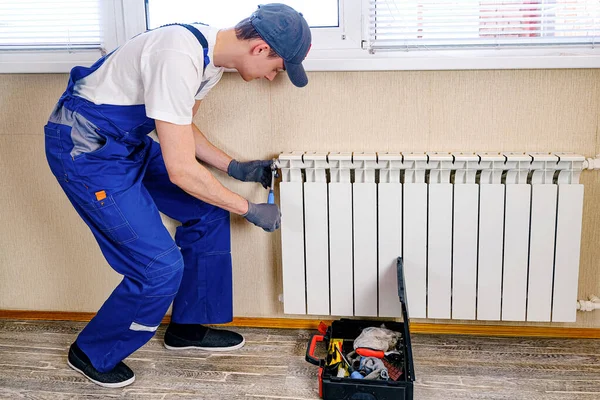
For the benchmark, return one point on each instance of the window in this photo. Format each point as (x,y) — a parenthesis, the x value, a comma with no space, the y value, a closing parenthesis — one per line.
(325,17)
(227,13)
(425,24)
(30,25)
(479,34)
(54,36)
(51,36)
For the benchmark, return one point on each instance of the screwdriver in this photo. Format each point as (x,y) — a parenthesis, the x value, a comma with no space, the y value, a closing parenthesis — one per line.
(271,198)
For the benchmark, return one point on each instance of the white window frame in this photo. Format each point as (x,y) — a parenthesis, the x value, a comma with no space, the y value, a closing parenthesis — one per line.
(55,61)
(356,58)
(334,49)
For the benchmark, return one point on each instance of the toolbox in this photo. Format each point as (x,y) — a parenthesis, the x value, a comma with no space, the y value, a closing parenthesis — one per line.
(342,333)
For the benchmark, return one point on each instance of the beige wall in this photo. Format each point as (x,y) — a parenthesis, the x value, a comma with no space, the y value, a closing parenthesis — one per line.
(49,260)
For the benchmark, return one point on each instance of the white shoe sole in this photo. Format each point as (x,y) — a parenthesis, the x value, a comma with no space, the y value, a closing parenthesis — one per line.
(236,347)
(106,385)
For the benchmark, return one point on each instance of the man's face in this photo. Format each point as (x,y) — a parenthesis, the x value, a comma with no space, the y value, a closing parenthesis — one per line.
(257,64)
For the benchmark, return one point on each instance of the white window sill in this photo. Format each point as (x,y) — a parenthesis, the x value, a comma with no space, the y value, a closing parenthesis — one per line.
(45,62)
(352,60)
(361,60)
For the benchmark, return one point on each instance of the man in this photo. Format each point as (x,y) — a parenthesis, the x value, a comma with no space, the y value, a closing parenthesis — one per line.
(118,179)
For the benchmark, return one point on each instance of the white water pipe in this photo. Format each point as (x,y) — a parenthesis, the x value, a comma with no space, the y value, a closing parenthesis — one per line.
(592,163)
(591,305)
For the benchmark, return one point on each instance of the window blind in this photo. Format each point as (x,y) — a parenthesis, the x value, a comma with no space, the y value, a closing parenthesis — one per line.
(62,24)
(439,24)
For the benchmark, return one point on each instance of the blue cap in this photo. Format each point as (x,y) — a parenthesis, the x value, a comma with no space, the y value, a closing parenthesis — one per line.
(288,34)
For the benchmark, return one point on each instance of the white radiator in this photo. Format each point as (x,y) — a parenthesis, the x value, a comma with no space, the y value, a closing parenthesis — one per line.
(483,236)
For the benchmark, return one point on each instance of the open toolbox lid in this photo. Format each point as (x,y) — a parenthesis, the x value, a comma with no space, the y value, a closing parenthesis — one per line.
(405,318)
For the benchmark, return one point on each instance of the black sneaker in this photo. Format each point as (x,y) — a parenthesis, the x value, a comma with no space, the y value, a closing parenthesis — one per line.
(119,376)
(194,336)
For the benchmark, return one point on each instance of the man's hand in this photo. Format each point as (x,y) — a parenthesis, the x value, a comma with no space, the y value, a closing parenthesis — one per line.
(251,171)
(266,216)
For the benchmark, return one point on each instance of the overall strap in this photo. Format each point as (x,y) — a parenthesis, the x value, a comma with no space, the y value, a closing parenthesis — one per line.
(198,36)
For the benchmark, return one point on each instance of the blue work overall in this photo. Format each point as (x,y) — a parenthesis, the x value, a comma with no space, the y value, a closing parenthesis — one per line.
(115,176)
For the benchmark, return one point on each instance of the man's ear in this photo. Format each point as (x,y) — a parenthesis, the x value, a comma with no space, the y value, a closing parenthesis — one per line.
(261,47)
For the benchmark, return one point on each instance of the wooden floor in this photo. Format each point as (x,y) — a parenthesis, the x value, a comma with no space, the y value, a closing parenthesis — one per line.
(271,366)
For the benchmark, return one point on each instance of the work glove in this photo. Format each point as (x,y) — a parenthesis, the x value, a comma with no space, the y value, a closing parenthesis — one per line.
(251,171)
(266,216)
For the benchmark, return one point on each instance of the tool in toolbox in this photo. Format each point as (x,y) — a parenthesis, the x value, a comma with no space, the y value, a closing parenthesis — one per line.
(365,352)
(391,360)
(392,382)
(335,350)
(350,369)
(393,370)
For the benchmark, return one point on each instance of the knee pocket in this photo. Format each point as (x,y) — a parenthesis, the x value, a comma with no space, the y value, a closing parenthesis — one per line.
(163,277)
(164,273)
(159,294)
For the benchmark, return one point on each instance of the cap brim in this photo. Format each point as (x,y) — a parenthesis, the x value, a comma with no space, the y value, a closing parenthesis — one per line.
(297,74)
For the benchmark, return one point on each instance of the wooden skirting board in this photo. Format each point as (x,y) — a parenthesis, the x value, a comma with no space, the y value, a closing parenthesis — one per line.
(289,323)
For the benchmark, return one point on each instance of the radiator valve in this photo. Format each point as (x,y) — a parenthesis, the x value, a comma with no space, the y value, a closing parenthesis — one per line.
(591,305)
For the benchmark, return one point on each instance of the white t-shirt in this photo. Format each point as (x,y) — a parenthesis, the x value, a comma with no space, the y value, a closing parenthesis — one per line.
(162,69)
